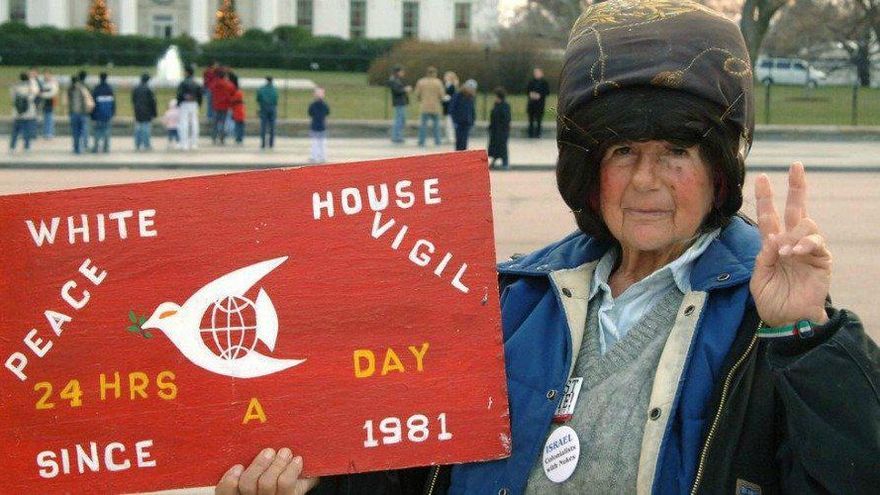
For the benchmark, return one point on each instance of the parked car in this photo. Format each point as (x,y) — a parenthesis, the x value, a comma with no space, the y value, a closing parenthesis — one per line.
(788,71)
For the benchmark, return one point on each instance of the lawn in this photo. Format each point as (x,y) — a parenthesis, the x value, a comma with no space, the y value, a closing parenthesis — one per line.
(350,97)
(832,105)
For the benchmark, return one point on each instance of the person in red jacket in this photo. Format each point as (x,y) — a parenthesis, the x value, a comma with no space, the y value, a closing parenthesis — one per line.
(208,77)
(238,109)
(222,91)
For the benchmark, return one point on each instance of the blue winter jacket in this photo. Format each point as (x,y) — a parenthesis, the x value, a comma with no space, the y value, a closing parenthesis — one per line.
(105,103)
(462,110)
(537,292)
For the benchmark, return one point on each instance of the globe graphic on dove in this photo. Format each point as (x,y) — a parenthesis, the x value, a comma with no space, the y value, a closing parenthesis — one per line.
(229,328)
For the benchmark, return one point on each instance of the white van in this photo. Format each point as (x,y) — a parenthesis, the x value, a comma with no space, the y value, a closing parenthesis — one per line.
(787,71)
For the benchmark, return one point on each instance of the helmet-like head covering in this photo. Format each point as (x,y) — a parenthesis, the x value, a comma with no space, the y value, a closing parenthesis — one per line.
(676,44)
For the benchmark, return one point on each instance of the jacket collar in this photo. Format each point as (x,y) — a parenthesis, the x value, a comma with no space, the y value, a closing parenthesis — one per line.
(728,261)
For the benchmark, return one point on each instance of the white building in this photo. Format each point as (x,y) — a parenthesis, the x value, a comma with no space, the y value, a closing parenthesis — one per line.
(434,20)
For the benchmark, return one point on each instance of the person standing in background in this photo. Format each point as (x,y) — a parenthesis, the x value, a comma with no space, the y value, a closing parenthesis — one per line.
(105,109)
(450,81)
(24,110)
(318,111)
(171,120)
(189,97)
(80,105)
(538,90)
(267,100)
(499,130)
(143,101)
(208,77)
(463,110)
(86,129)
(430,92)
(49,95)
(222,90)
(399,100)
(237,107)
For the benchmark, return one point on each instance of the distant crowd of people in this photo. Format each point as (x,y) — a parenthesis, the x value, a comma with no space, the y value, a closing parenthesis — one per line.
(453,104)
(446,106)
(91,111)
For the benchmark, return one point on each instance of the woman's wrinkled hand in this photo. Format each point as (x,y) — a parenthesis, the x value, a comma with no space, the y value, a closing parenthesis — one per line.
(792,273)
(270,473)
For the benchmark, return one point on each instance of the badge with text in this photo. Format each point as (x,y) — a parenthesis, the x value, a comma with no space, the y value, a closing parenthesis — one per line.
(155,334)
(561,454)
(565,409)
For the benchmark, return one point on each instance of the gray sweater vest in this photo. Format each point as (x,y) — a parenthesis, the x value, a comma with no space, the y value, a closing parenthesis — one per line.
(611,411)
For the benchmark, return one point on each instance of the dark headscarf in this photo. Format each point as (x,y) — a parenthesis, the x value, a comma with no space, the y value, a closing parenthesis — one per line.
(677,44)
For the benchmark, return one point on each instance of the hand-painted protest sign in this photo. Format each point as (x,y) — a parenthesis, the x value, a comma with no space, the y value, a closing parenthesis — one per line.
(155,334)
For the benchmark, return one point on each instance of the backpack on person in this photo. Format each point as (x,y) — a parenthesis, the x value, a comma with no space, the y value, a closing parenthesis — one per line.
(21,104)
(88,100)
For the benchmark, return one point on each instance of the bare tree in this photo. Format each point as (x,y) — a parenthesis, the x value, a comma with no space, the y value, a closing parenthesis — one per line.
(552,19)
(810,28)
(755,22)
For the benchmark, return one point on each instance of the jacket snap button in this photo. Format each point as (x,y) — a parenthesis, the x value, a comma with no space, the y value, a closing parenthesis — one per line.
(655,414)
(689,310)
(723,277)
(551,394)
(503,491)
(566,291)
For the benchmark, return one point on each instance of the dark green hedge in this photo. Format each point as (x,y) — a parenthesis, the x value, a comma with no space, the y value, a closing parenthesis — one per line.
(286,47)
(289,47)
(23,45)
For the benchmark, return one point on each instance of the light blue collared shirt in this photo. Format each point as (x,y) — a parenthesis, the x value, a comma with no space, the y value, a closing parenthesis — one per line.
(618,315)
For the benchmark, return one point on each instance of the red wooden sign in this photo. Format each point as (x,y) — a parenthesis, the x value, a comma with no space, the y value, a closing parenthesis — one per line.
(155,334)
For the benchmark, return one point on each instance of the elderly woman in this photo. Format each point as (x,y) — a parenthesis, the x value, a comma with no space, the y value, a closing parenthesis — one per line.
(700,351)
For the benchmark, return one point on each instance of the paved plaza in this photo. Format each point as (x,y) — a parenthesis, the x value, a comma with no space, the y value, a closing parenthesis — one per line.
(528,212)
(526,154)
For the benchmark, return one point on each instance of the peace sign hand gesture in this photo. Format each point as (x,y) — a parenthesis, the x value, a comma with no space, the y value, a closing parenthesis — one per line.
(792,273)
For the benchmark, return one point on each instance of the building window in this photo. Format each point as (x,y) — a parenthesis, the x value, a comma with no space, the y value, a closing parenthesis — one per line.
(358,19)
(163,26)
(410,19)
(304,13)
(463,20)
(17,10)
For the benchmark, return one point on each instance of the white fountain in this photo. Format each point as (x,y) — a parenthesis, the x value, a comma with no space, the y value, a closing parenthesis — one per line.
(169,68)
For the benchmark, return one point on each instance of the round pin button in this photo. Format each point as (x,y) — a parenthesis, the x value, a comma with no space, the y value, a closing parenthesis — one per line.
(561,454)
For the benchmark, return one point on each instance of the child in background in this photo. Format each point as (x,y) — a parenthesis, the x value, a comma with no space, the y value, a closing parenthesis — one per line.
(170,120)
(318,111)
(238,109)
(499,129)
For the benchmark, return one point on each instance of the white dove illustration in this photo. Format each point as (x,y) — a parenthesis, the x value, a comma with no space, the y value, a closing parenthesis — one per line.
(181,324)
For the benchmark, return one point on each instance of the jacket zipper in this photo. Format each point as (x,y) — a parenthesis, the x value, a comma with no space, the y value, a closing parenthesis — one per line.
(702,465)
(435,473)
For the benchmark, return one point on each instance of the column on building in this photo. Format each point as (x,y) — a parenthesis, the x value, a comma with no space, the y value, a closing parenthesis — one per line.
(4,11)
(198,20)
(128,16)
(331,18)
(267,14)
(47,13)
(436,20)
(384,19)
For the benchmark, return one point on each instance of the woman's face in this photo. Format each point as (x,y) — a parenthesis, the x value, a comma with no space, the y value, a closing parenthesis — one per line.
(654,195)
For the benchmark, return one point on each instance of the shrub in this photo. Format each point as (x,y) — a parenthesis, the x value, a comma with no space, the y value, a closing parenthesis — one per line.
(509,64)
(286,47)
(23,45)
